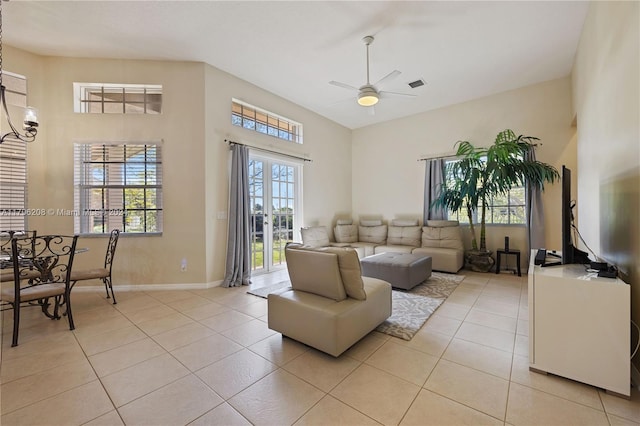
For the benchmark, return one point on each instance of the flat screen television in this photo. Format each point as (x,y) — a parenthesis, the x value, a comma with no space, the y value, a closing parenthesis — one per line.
(570,254)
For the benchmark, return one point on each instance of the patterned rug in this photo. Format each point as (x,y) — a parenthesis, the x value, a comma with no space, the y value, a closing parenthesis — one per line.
(410,309)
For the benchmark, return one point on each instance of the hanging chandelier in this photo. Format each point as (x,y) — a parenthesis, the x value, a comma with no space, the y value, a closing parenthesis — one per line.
(30,121)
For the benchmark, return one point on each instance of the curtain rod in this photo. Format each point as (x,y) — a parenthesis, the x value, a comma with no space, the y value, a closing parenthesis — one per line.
(437,157)
(229,142)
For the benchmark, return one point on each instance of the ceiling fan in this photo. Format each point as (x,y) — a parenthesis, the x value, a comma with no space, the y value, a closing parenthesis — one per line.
(368,94)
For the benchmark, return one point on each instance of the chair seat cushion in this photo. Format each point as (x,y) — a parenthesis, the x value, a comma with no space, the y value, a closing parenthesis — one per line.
(35,292)
(7,275)
(89,274)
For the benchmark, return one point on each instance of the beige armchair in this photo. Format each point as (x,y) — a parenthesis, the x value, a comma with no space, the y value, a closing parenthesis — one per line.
(330,305)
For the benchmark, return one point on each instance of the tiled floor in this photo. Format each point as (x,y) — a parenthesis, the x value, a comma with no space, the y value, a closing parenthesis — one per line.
(206,357)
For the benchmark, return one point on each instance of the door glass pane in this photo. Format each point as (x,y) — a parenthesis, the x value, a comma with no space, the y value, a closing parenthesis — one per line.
(256,184)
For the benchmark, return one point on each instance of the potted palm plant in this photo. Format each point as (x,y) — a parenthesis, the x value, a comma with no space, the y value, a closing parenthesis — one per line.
(480,174)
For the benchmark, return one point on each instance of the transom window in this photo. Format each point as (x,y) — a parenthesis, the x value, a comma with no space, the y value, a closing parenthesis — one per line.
(104,98)
(118,186)
(253,118)
(503,210)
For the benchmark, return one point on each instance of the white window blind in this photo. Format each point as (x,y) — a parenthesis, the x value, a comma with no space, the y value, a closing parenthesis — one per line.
(118,186)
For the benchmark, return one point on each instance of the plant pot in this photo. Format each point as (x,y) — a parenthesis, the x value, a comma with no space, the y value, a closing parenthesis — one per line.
(479,261)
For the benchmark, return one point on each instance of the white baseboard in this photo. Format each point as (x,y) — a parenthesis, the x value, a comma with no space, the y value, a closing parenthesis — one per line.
(148,287)
(635,376)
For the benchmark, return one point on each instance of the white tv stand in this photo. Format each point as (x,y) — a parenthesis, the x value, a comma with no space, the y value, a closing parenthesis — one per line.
(579,326)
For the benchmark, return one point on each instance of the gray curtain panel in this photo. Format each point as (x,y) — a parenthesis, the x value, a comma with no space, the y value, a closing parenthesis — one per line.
(238,267)
(534,211)
(433,179)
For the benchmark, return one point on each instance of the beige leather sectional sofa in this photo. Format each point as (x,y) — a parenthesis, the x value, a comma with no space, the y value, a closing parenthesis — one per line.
(330,305)
(439,239)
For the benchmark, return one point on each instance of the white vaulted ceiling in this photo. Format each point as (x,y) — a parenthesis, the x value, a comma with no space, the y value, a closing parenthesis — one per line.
(463,50)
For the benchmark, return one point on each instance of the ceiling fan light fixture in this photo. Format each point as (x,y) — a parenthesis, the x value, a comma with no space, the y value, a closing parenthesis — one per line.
(368,98)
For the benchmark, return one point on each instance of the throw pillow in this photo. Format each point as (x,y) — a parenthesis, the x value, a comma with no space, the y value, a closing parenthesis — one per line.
(315,236)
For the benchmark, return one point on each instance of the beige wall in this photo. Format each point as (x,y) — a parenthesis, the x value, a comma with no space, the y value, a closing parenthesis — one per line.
(607,104)
(194,123)
(389,181)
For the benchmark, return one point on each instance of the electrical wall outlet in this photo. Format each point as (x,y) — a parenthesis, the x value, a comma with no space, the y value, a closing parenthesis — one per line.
(183,265)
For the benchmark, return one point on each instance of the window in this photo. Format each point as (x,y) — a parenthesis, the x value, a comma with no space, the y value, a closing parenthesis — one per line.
(102,98)
(13,163)
(262,121)
(502,210)
(118,186)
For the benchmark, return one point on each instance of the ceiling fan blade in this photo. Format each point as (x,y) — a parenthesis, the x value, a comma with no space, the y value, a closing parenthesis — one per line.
(343,85)
(393,74)
(386,94)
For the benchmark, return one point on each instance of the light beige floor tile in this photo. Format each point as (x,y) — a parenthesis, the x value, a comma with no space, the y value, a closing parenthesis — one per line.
(112,418)
(497,308)
(427,341)
(96,343)
(531,407)
(125,356)
(487,336)
(508,298)
(249,333)
(111,324)
(235,373)
(126,385)
(27,365)
(377,394)
(628,409)
(463,297)
(256,309)
(523,314)
(278,399)
(523,327)
(213,292)
(620,421)
(160,325)
(479,357)
(54,341)
(95,316)
(206,351)
(521,346)
(138,303)
(73,407)
(222,415)
(150,313)
(365,346)
(321,370)
(487,319)
(441,324)
(191,302)
(330,411)
(470,387)
(238,299)
(226,320)
(432,409)
(206,311)
(182,336)
(178,403)
(279,349)
(88,301)
(408,364)
(453,310)
(28,390)
(169,296)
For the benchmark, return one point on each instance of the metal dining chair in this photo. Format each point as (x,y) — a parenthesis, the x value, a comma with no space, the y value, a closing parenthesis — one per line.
(42,272)
(6,266)
(103,274)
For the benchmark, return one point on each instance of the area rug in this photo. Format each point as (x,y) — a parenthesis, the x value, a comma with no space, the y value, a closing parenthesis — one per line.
(410,309)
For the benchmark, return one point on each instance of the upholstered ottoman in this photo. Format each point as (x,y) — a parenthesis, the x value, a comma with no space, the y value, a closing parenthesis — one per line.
(402,270)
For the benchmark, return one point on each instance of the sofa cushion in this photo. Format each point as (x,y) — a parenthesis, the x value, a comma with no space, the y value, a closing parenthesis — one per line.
(370,222)
(346,233)
(315,236)
(315,272)
(446,237)
(350,271)
(344,222)
(442,223)
(404,222)
(373,234)
(404,235)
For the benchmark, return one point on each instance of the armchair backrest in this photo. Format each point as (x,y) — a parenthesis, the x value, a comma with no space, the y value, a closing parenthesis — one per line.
(315,272)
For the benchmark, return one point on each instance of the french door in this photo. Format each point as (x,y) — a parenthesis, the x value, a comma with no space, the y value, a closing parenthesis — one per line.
(275,195)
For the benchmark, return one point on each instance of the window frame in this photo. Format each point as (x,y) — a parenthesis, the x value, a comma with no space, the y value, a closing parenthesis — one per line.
(84,185)
(83,104)
(461,215)
(251,117)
